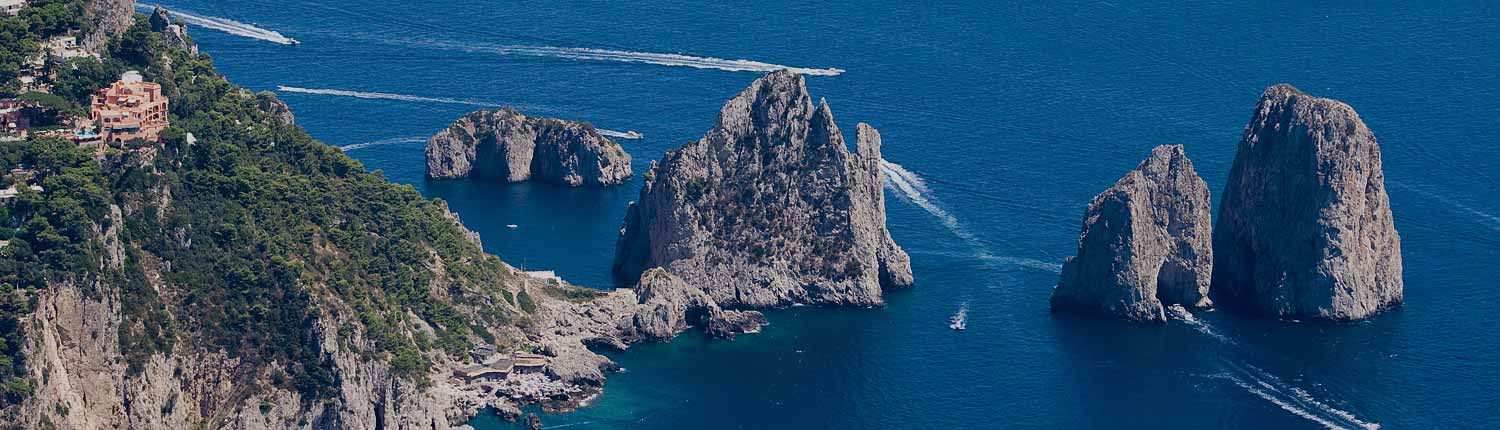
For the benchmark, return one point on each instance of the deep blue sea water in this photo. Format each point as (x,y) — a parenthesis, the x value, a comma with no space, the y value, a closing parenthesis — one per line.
(1013,115)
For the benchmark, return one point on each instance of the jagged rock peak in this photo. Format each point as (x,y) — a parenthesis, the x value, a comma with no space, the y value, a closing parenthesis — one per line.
(1145,244)
(1305,227)
(506,144)
(769,208)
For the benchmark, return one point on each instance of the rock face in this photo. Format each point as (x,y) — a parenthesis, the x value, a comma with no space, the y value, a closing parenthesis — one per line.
(1145,244)
(103,20)
(1305,227)
(669,306)
(770,208)
(507,145)
(267,101)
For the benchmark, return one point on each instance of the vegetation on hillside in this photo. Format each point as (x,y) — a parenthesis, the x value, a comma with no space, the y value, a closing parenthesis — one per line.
(255,230)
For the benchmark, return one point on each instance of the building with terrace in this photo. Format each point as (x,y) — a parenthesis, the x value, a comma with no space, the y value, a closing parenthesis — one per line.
(129,109)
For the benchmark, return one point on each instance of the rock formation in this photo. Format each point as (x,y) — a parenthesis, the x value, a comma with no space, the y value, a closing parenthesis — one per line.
(669,306)
(507,145)
(1305,227)
(1145,244)
(770,208)
(267,101)
(103,20)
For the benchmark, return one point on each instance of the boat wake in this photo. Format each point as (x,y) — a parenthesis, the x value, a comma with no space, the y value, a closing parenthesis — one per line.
(1485,219)
(1181,314)
(914,189)
(960,320)
(620,56)
(622,134)
(383,96)
(1270,388)
(568,425)
(382,142)
(225,25)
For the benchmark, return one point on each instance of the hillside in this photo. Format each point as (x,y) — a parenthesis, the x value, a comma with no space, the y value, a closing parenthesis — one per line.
(236,274)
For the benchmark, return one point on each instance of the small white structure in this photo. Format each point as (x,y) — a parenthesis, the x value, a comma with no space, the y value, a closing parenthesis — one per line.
(12,7)
(12,192)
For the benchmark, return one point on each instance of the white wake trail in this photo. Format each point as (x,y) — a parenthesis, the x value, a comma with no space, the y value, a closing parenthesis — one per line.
(381,96)
(225,25)
(382,142)
(1270,388)
(914,189)
(620,56)
(1485,219)
(621,134)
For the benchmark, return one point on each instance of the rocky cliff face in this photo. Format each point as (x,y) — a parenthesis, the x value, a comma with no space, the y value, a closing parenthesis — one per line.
(1145,244)
(507,145)
(770,208)
(105,19)
(267,101)
(1305,227)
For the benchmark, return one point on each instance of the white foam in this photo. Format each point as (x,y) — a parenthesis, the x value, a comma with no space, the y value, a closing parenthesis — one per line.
(621,56)
(382,142)
(960,320)
(226,25)
(911,187)
(1179,313)
(621,134)
(1028,263)
(1485,219)
(568,425)
(384,96)
(1295,400)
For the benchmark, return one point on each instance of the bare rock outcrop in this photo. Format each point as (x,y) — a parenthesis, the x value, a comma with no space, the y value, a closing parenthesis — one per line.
(1305,228)
(267,101)
(103,20)
(770,208)
(1145,244)
(668,306)
(505,144)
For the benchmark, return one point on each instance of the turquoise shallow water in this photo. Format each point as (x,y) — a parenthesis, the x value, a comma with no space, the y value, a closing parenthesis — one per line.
(1011,116)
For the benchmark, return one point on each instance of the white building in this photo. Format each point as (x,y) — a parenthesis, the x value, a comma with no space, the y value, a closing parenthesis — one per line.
(12,7)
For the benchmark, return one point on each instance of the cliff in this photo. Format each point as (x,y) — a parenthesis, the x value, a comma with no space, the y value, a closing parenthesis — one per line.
(1145,244)
(1305,227)
(769,208)
(104,20)
(507,145)
(249,277)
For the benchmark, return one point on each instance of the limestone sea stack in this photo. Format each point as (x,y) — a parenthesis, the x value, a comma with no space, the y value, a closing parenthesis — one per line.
(1305,228)
(1145,244)
(504,144)
(770,208)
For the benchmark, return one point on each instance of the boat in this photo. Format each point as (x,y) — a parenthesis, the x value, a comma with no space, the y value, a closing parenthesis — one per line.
(512,226)
(960,320)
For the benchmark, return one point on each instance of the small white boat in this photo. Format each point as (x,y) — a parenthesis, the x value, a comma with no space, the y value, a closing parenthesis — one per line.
(960,320)
(512,226)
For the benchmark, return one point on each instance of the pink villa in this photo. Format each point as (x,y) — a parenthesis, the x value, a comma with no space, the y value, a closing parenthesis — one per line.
(129,109)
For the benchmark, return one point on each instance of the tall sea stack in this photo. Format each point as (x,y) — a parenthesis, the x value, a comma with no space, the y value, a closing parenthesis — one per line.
(1305,228)
(770,208)
(1145,244)
(505,144)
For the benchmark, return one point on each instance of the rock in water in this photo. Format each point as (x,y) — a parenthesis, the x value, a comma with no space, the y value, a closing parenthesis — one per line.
(507,145)
(1145,244)
(1305,227)
(669,306)
(770,208)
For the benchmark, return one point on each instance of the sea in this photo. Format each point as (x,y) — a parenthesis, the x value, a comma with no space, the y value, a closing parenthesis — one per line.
(1001,120)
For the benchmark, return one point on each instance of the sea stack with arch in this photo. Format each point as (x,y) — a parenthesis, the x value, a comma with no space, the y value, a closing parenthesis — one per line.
(1145,244)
